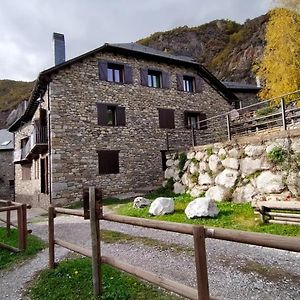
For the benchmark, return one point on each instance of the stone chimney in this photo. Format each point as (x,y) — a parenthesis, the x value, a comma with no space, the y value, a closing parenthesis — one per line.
(59,48)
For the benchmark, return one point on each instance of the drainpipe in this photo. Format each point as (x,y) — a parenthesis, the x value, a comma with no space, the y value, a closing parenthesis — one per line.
(49,146)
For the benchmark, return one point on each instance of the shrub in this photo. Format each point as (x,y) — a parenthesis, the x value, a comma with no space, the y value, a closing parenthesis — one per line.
(182,160)
(277,155)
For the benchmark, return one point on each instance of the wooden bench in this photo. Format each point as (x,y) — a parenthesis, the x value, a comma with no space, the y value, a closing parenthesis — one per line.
(278,212)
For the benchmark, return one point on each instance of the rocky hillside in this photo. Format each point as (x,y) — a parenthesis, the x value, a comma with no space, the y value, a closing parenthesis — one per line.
(11,94)
(226,48)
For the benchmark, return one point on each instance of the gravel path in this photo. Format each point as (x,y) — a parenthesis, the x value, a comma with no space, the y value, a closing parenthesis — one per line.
(236,271)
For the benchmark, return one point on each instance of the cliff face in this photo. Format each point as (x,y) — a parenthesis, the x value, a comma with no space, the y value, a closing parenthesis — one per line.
(229,50)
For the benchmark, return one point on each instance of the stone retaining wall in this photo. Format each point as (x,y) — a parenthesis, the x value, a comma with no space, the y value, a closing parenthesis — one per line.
(261,167)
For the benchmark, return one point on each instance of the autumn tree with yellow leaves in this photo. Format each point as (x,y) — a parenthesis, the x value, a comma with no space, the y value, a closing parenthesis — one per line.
(280,65)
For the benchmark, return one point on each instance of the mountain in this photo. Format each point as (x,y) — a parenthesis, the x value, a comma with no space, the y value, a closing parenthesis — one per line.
(11,94)
(228,49)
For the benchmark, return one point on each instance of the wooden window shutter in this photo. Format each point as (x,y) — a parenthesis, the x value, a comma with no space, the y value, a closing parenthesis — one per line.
(102,114)
(166,118)
(166,80)
(144,77)
(121,118)
(127,74)
(199,85)
(179,78)
(102,65)
(108,161)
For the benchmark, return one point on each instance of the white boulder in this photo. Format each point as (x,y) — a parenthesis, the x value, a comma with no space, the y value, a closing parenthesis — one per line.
(268,183)
(222,153)
(204,179)
(190,155)
(169,173)
(169,162)
(293,183)
(185,179)
(196,191)
(244,193)
(199,155)
(296,146)
(201,207)
(218,193)
(249,166)
(234,153)
(231,163)
(203,167)
(252,150)
(194,168)
(227,178)
(140,202)
(161,206)
(214,163)
(179,188)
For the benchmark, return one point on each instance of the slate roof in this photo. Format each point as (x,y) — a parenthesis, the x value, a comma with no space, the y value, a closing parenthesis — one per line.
(131,49)
(241,87)
(6,140)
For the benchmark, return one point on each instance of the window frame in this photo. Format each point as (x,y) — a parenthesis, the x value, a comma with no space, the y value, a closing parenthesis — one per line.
(188,83)
(115,69)
(200,116)
(118,114)
(150,78)
(110,162)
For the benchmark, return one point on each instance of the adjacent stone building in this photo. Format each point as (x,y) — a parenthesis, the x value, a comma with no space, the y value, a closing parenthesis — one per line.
(6,165)
(107,118)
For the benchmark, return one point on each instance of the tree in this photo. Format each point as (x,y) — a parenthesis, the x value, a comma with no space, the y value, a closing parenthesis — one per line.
(280,65)
(290,4)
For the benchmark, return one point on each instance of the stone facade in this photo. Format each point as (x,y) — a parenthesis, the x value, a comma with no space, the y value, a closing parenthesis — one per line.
(75,136)
(264,166)
(6,175)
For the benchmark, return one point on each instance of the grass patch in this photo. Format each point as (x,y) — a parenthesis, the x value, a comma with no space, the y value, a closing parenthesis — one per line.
(7,258)
(113,237)
(72,279)
(232,216)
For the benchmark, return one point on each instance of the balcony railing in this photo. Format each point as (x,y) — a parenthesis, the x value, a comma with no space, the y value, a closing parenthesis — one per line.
(36,144)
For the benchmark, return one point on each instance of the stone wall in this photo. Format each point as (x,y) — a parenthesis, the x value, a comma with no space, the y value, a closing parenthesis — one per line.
(261,167)
(76,136)
(6,175)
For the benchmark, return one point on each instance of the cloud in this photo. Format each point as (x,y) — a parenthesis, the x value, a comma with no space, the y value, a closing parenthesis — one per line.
(26,27)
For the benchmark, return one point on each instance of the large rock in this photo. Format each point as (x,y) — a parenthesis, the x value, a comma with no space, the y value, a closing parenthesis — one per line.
(170,163)
(197,190)
(179,188)
(190,155)
(203,167)
(185,179)
(296,146)
(204,179)
(252,150)
(227,178)
(244,193)
(249,166)
(279,143)
(222,153)
(231,163)
(140,202)
(169,173)
(199,155)
(194,168)
(161,206)
(268,183)
(234,153)
(293,183)
(218,193)
(201,207)
(214,163)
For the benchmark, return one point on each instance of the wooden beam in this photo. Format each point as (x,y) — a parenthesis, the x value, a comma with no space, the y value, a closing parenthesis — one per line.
(73,247)
(67,211)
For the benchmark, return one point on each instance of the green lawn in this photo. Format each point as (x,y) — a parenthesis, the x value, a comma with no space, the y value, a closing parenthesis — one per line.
(231,215)
(72,279)
(7,258)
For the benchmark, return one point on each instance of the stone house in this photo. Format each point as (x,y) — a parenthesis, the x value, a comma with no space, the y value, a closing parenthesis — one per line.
(6,165)
(105,118)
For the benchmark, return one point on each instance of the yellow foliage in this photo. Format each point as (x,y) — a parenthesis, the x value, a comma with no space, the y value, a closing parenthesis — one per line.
(280,65)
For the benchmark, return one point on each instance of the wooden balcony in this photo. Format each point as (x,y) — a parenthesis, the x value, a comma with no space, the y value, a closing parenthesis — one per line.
(36,144)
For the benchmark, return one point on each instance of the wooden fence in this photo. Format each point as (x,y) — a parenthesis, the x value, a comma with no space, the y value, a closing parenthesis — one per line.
(21,209)
(199,233)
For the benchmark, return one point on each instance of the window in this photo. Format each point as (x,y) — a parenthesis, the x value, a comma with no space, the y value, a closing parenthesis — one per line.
(188,83)
(155,78)
(193,120)
(111,114)
(108,161)
(115,72)
(26,171)
(166,118)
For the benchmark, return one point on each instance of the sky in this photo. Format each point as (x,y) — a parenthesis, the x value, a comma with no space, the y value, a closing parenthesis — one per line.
(26,26)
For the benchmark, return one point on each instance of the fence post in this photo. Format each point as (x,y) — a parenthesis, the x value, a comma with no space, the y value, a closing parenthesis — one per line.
(51,216)
(8,219)
(201,264)
(228,127)
(24,220)
(95,236)
(21,236)
(193,136)
(283,113)
(167,141)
